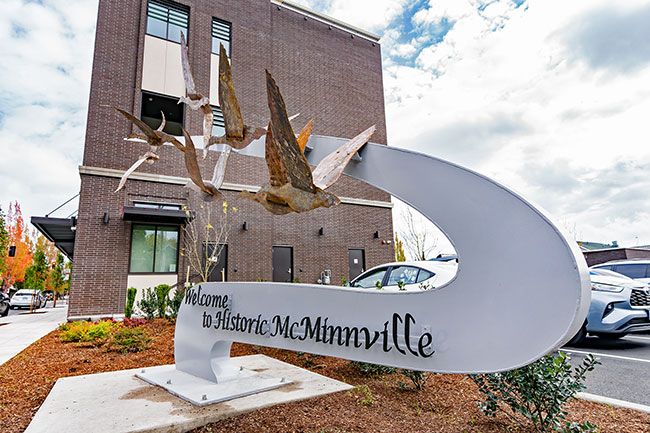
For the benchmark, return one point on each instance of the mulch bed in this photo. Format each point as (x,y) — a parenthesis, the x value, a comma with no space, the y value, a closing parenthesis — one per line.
(447,404)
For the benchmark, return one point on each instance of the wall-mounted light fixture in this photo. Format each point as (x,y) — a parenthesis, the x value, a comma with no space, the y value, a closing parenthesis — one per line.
(321,231)
(244,226)
(12,251)
(376,235)
(73,226)
(106,218)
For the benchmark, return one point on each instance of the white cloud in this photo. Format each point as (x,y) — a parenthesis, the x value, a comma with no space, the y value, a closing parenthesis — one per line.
(551,98)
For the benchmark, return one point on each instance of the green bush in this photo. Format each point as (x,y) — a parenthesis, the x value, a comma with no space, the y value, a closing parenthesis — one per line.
(149,303)
(88,332)
(537,393)
(176,301)
(129,340)
(372,370)
(130,301)
(162,298)
(418,378)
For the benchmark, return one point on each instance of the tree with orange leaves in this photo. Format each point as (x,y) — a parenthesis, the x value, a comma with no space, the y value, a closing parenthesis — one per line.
(19,238)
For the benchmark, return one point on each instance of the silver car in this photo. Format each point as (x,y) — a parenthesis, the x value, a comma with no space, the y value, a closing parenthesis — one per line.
(27,298)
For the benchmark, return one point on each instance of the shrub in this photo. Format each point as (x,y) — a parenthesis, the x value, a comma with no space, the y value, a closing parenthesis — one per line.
(149,303)
(87,332)
(537,392)
(176,301)
(371,370)
(162,298)
(419,378)
(129,340)
(130,301)
(133,323)
(366,397)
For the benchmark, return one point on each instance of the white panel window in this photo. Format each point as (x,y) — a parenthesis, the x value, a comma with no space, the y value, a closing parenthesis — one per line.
(221,34)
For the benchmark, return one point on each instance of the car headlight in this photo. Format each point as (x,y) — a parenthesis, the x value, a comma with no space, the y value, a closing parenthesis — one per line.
(606,288)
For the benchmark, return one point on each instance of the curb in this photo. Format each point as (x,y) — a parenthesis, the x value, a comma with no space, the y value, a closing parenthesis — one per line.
(613,402)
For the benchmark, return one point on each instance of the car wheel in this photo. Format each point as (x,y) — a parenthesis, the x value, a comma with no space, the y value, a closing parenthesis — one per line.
(4,311)
(579,337)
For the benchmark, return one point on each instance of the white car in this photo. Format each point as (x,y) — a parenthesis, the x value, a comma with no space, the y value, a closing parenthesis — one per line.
(407,276)
(637,269)
(25,298)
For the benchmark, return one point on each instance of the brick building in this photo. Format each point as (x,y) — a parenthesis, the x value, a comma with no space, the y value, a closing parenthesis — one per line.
(326,70)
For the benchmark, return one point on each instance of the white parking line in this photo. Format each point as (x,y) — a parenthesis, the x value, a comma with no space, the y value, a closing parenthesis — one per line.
(606,355)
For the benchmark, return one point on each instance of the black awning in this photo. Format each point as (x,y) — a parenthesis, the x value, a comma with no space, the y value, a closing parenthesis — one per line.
(160,216)
(60,231)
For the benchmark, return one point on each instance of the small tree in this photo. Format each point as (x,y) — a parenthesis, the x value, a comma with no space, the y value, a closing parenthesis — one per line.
(37,273)
(56,281)
(131,292)
(418,237)
(399,250)
(205,237)
(149,303)
(162,294)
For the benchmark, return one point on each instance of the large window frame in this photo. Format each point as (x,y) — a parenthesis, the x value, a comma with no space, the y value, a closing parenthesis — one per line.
(171,123)
(169,14)
(221,32)
(153,262)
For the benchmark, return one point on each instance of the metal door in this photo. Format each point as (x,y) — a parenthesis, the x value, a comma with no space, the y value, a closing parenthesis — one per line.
(220,272)
(356,262)
(283,264)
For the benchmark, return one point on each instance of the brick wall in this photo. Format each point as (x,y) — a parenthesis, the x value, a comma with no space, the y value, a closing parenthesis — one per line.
(324,74)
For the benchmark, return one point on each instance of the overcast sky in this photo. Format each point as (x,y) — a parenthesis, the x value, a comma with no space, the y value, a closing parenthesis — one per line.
(549,97)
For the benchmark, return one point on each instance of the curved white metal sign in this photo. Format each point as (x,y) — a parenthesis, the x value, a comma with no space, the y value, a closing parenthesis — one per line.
(521,291)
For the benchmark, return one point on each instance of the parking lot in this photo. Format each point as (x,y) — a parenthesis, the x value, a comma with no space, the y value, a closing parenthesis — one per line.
(625,370)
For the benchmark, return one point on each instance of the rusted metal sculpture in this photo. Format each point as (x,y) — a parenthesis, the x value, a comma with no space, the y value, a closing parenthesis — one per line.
(293,187)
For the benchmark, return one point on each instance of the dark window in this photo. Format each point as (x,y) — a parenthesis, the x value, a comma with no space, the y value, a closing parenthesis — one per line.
(152,107)
(166,20)
(154,249)
(405,274)
(218,123)
(371,279)
(636,270)
(221,34)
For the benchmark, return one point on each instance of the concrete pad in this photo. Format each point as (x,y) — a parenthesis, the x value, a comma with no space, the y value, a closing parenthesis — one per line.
(119,402)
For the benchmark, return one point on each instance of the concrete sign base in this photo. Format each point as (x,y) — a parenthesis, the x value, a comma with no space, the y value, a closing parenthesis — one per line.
(119,402)
(202,392)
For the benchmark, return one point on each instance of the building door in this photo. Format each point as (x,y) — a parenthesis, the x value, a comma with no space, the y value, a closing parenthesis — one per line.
(283,264)
(357,262)
(220,272)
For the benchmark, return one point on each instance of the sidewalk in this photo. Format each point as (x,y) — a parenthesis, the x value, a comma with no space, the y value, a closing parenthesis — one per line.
(17,331)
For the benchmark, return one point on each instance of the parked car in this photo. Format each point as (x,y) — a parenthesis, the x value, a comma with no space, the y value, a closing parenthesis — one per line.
(638,269)
(407,276)
(619,306)
(4,304)
(26,298)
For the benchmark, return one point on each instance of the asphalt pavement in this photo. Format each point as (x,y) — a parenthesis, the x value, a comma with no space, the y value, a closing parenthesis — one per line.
(624,373)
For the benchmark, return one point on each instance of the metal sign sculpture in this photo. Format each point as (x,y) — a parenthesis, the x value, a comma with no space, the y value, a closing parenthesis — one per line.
(522,288)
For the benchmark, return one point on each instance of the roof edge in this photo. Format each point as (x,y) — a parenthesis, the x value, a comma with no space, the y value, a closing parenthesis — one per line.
(327,20)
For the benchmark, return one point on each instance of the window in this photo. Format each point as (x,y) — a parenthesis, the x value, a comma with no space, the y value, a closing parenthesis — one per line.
(154,249)
(371,280)
(405,274)
(424,275)
(221,34)
(152,107)
(166,20)
(218,122)
(636,270)
(160,206)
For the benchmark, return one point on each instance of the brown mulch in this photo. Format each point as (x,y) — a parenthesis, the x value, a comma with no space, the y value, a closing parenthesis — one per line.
(446,405)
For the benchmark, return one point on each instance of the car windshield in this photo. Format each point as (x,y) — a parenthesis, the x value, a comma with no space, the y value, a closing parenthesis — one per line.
(606,273)
(24,293)
(371,279)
